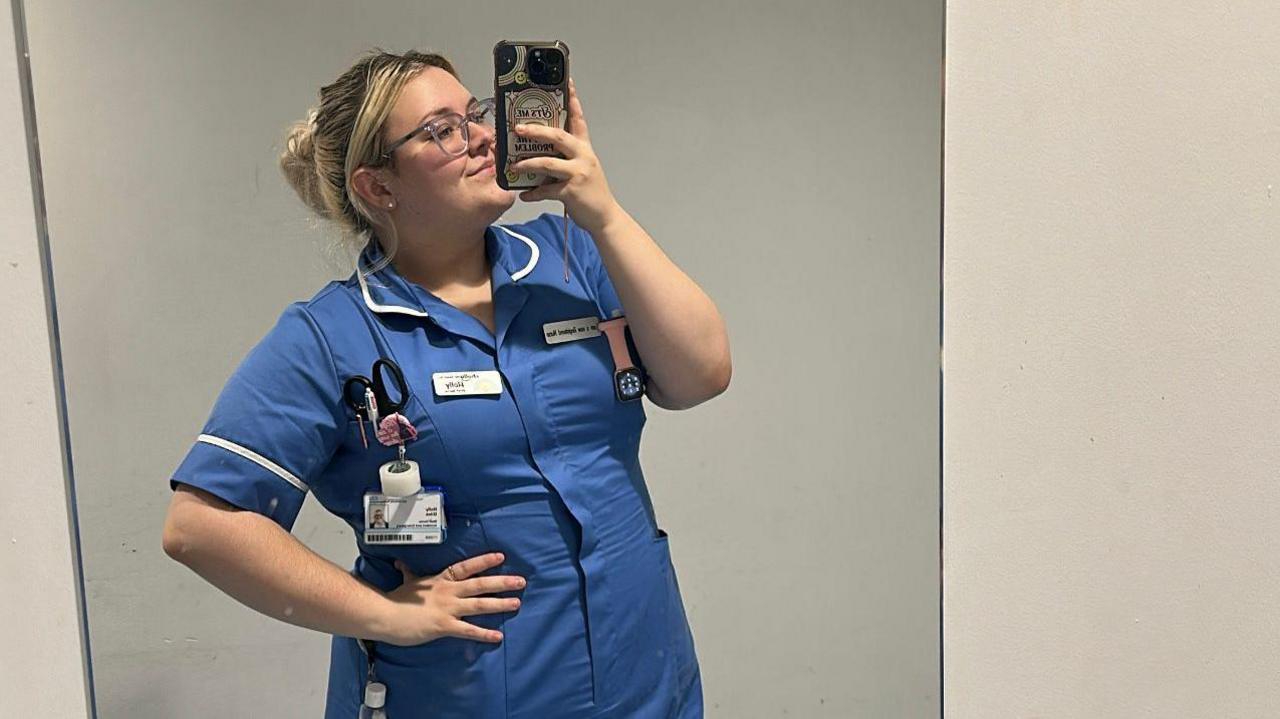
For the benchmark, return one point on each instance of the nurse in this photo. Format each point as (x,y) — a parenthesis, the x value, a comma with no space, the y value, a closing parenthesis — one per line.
(551,592)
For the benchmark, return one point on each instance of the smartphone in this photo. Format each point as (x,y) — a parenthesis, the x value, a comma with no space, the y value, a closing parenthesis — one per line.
(530,84)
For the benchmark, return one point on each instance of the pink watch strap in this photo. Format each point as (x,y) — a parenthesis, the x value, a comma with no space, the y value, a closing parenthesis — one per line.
(614,329)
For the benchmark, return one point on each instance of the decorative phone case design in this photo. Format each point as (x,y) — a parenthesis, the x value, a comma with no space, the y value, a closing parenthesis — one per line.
(517,99)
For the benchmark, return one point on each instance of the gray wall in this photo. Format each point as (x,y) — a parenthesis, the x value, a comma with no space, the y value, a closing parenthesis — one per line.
(1112,410)
(786,157)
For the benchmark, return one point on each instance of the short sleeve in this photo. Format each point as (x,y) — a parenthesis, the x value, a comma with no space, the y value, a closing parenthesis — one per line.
(583,248)
(275,425)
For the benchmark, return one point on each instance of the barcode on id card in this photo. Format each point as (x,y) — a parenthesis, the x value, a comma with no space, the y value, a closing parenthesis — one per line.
(388,538)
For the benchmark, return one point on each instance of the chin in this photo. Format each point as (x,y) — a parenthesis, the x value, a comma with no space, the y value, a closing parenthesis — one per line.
(504,198)
(496,203)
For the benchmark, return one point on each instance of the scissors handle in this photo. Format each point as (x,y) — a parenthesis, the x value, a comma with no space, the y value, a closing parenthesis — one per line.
(386,405)
(353,391)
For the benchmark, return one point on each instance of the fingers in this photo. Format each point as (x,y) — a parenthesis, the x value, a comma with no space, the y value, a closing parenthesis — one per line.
(486,605)
(567,144)
(465,630)
(488,585)
(557,173)
(549,191)
(554,166)
(577,122)
(473,565)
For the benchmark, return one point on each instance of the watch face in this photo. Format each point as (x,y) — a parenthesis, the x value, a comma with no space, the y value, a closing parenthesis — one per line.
(629,383)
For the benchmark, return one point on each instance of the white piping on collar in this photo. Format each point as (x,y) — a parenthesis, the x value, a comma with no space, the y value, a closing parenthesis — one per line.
(533,248)
(368,299)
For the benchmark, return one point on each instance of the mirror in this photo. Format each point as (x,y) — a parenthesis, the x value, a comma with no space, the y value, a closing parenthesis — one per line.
(771,550)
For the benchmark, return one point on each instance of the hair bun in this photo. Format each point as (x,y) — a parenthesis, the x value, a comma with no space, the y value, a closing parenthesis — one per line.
(298,163)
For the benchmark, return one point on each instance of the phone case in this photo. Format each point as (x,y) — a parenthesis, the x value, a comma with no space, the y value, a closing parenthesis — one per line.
(518,99)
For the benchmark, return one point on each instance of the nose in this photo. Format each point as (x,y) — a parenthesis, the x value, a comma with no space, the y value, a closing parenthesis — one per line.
(482,136)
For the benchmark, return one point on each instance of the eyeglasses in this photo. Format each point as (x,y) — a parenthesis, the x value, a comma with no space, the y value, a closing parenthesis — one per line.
(451,132)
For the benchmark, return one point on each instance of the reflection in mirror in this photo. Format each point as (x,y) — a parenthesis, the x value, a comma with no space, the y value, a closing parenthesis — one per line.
(361,343)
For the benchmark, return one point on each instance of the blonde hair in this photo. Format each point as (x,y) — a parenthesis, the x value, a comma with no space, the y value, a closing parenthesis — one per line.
(344,132)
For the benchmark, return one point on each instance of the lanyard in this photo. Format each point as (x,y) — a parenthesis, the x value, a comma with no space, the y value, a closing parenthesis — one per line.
(367,646)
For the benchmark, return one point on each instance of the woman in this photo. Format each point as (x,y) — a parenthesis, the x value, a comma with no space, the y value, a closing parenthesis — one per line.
(552,593)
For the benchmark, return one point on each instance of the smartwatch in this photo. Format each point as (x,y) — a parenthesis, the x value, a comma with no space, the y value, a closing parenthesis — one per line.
(628,379)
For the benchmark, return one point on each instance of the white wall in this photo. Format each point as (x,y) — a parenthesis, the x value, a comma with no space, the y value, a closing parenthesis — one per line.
(1112,346)
(42,667)
(786,158)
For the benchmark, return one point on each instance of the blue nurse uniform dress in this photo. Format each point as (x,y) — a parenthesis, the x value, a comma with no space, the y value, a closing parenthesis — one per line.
(547,472)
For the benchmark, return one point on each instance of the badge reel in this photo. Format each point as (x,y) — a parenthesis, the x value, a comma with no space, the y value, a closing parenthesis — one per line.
(403,512)
(628,379)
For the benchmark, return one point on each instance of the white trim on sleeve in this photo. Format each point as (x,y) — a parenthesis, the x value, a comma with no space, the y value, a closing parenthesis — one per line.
(253,456)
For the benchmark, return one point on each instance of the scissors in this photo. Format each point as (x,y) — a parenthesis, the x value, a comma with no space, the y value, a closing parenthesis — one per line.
(370,398)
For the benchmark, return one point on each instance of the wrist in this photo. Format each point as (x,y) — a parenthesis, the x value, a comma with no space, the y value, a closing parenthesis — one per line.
(379,621)
(609,221)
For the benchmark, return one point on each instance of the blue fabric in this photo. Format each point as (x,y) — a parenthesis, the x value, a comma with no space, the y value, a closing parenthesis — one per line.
(547,473)
(279,405)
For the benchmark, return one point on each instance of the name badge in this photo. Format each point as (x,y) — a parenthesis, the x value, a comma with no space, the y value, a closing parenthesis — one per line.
(570,330)
(416,519)
(478,382)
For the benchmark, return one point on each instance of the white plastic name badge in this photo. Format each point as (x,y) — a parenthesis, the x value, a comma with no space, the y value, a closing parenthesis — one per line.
(569,330)
(478,382)
(416,519)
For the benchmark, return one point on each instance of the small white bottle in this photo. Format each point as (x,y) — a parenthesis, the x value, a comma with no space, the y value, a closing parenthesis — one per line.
(375,697)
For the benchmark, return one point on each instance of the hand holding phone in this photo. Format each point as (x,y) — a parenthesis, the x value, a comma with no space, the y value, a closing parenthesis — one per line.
(530,84)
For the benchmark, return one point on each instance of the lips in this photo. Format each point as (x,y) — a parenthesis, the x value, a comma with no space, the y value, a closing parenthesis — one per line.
(482,168)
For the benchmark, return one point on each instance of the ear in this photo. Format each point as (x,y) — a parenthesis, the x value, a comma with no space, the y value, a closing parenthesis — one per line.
(372,187)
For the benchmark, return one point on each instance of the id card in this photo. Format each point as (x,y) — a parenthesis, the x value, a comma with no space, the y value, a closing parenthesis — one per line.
(416,519)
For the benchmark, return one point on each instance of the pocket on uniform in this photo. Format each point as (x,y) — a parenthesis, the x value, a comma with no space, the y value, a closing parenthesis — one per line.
(683,656)
(354,441)
(351,441)
(449,678)
(355,467)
